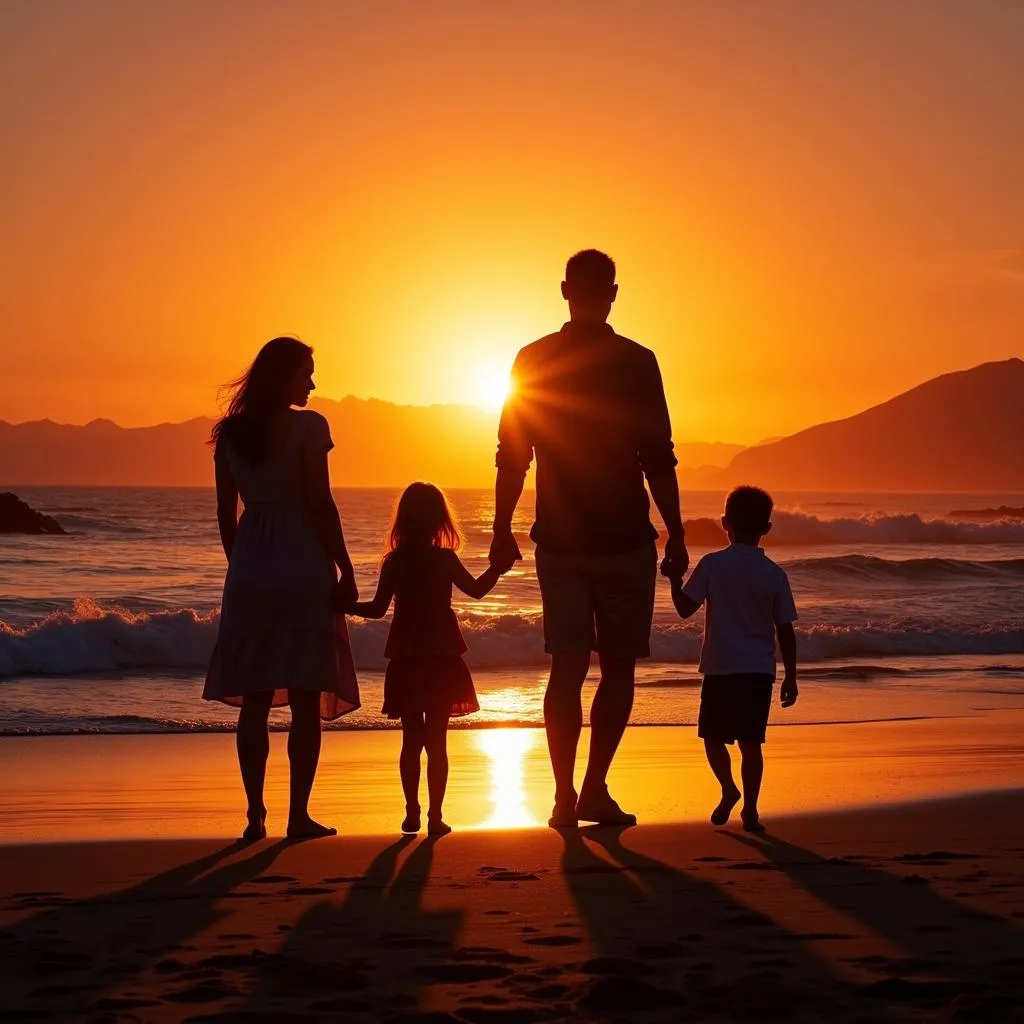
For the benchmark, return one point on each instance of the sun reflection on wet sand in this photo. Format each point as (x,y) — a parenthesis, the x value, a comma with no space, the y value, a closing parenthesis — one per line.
(506,750)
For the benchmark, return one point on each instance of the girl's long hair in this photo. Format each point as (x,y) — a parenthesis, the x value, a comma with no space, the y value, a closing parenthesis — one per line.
(422,521)
(257,395)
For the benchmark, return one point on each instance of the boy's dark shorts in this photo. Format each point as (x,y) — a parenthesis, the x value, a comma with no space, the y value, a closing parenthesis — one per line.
(735,708)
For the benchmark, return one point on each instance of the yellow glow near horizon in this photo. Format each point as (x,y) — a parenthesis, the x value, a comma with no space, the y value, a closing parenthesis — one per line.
(506,749)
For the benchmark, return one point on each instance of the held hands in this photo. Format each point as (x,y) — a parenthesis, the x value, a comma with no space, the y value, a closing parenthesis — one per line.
(789,692)
(344,595)
(504,551)
(677,559)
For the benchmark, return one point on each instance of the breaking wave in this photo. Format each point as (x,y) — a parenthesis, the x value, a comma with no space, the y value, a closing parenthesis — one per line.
(93,638)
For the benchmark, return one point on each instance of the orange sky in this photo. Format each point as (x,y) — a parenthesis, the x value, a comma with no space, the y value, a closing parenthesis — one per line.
(812,205)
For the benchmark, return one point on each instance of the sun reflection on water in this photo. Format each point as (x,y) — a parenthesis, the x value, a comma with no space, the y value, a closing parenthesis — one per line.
(506,749)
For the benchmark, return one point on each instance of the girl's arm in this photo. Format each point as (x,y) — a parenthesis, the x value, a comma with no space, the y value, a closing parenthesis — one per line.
(378,607)
(317,484)
(227,506)
(477,587)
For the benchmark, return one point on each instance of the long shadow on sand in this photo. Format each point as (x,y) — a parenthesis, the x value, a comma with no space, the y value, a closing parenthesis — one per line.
(672,942)
(330,966)
(77,958)
(953,953)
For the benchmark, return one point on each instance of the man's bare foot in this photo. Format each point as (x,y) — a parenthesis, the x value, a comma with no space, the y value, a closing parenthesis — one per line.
(598,806)
(437,827)
(751,822)
(730,798)
(412,823)
(307,828)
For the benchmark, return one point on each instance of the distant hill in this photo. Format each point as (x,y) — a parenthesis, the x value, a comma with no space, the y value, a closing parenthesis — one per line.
(379,444)
(962,431)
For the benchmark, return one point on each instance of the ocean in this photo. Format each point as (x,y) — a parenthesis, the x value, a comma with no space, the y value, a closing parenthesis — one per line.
(910,606)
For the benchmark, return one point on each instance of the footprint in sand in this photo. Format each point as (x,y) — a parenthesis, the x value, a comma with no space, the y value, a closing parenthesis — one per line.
(204,992)
(308,890)
(271,879)
(503,875)
(553,940)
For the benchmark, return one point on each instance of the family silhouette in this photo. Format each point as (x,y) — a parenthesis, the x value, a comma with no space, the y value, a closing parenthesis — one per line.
(588,406)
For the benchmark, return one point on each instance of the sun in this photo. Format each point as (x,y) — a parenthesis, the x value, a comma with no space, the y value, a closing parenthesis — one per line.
(491,388)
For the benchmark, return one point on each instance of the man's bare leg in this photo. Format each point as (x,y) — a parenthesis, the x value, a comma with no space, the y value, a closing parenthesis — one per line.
(721,764)
(609,716)
(563,721)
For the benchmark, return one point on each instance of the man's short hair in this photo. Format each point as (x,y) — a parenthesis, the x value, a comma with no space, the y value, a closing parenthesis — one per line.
(590,273)
(749,510)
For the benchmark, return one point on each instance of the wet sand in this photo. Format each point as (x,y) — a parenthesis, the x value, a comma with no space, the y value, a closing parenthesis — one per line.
(910,912)
(171,786)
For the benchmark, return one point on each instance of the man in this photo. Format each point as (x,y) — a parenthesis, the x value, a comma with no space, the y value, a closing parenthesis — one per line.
(591,407)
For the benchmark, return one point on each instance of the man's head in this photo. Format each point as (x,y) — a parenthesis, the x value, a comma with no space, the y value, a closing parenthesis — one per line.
(748,515)
(589,286)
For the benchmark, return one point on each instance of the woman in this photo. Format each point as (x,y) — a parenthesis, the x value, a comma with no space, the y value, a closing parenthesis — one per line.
(279,640)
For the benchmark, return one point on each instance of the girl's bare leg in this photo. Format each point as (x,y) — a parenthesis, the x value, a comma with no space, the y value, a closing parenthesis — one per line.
(253,743)
(436,742)
(303,757)
(409,769)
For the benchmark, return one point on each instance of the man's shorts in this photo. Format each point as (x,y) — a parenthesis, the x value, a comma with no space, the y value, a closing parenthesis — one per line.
(599,603)
(735,708)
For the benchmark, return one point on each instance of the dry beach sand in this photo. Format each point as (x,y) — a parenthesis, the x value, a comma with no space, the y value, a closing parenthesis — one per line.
(908,910)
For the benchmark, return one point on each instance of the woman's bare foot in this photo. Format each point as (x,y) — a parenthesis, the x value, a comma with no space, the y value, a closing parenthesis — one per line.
(307,828)
(437,827)
(730,798)
(412,823)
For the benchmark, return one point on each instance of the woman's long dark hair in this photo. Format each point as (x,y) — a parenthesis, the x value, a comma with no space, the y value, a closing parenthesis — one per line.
(257,395)
(423,520)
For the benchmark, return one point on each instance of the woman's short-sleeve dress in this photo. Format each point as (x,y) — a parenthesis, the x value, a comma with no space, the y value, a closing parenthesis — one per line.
(277,629)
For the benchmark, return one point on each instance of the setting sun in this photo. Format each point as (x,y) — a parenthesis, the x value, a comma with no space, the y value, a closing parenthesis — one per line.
(492,388)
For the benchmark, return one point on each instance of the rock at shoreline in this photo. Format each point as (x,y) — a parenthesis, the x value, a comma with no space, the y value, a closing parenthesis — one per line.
(17,517)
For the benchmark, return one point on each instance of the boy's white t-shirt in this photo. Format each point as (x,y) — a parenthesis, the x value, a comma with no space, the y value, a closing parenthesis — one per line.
(747,596)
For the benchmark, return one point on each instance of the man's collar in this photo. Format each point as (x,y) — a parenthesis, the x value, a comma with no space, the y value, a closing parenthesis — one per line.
(586,327)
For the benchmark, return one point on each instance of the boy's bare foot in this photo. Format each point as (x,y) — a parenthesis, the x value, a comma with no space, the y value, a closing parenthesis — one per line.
(307,828)
(730,798)
(752,823)
(437,827)
(412,823)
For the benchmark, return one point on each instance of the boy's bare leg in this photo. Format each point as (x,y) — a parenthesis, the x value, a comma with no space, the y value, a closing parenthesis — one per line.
(718,757)
(751,772)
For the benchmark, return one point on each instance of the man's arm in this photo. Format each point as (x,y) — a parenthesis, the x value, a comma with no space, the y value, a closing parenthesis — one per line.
(658,461)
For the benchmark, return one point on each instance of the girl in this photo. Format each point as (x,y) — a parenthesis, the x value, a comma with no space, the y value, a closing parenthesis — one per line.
(427,681)
(279,640)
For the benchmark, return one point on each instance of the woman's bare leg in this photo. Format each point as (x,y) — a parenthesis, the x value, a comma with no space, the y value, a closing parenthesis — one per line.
(436,742)
(253,743)
(303,757)
(409,769)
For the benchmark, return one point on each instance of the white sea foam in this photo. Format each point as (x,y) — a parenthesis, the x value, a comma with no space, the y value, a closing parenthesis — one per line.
(91,638)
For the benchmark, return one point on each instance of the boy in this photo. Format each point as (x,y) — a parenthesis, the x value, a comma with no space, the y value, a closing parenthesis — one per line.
(749,605)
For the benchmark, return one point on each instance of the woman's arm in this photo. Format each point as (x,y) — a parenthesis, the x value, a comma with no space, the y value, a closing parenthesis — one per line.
(317,483)
(378,607)
(479,586)
(227,506)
